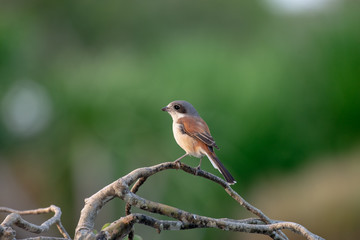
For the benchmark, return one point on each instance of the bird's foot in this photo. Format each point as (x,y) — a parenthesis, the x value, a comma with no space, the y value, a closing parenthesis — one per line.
(178,163)
(198,169)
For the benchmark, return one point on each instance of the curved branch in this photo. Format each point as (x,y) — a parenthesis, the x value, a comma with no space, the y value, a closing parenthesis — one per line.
(185,220)
(134,189)
(15,219)
(122,227)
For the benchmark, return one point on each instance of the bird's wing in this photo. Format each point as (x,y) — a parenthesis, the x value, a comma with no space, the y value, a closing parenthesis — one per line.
(197,128)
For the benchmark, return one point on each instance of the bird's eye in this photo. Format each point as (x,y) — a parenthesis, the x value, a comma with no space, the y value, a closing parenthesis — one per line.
(177,107)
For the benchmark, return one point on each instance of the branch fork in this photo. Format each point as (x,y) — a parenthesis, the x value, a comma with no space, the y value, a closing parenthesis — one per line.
(15,219)
(124,226)
(182,219)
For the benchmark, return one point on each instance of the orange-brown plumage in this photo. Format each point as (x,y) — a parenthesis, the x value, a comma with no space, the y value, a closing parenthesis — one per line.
(196,127)
(193,135)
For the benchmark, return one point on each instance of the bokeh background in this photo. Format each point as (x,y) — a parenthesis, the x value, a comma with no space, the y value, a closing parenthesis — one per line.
(278,82)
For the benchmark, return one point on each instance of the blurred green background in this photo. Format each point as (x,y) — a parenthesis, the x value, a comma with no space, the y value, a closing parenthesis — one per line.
(278,82)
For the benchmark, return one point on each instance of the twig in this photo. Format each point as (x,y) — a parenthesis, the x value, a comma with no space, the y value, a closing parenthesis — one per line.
(276,235)
(15,219)
(134,189)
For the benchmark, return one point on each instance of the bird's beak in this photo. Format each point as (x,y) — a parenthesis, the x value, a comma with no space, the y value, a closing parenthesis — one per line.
(165,109)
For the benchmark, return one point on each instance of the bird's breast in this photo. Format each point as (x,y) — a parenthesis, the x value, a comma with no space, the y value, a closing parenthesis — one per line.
(186,142)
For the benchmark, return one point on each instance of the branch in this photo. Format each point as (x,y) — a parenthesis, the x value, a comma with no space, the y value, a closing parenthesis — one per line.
(124,226)
(15,219)
(121,227)
(183,219)
(134,189)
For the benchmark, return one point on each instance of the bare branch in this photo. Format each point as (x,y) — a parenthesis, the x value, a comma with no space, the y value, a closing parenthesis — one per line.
(276,235)
(124,226)
(15,219)
(185,220)
(134,189)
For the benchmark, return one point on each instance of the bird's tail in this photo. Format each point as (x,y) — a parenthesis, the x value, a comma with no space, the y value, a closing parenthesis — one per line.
(219,166)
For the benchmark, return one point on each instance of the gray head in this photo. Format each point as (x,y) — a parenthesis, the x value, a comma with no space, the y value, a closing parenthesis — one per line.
(178,109)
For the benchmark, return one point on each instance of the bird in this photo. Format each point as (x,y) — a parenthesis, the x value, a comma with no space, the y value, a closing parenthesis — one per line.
(192,134)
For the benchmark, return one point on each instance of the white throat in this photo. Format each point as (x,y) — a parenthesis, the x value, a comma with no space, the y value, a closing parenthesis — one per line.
(177,116)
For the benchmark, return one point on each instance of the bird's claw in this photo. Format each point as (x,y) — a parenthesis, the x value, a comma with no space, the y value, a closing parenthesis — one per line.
(178,163)
(197,170)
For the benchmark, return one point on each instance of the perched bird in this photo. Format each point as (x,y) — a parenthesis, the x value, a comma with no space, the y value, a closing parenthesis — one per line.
(193,135)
